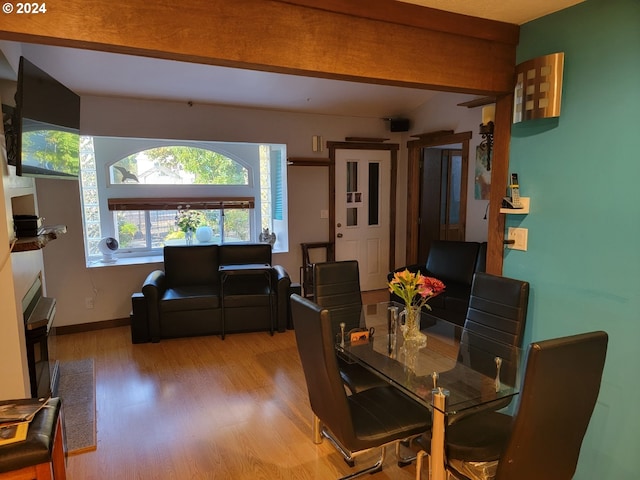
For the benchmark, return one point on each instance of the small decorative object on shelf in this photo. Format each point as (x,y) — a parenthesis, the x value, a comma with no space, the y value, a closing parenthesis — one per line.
(204,234)
(267,237)
(415,290)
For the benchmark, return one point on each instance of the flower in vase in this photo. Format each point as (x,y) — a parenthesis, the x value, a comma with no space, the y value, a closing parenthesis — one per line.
(189,220)
(414,288)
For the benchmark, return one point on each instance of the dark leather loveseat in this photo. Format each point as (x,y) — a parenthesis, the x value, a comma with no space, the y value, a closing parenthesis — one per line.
(184,299)
(453,262)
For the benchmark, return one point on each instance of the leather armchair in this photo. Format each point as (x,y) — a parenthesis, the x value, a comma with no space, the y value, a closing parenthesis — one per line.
(454,263)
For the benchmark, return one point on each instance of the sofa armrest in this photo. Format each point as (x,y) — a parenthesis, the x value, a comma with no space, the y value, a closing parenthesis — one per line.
(283,282)
(153,289)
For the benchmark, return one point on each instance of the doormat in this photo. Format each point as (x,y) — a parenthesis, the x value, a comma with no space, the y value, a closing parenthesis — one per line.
(77,389)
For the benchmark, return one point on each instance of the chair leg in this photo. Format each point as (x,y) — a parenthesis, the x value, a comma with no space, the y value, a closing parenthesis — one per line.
(375,468)
(403,461)
(316,430)
(350,457)
(420,455)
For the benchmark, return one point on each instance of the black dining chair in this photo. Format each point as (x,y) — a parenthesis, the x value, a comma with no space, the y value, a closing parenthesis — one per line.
(543,440)
(494,324)
(336,287)
(356,423)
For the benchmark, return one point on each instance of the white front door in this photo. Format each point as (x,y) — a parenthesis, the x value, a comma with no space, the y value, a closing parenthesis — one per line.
(363,184)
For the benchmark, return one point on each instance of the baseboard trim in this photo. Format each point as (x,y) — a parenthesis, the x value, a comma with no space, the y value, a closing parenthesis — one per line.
(89,327)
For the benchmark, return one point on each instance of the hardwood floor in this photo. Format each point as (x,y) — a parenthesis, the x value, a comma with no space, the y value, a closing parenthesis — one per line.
(203,408)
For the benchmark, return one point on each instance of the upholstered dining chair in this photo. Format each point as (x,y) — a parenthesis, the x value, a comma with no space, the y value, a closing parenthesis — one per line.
(336,287)
(543,440)
(494,324)
(356,423)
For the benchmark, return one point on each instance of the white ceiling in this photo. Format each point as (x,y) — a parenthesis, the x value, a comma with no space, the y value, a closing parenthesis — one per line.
(98,73)
(509,11)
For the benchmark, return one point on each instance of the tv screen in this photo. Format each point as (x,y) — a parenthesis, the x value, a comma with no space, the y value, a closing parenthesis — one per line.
(47,118)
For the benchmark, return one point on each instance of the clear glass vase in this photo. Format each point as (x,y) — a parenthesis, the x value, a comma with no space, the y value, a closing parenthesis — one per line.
(188,237)
(411,327)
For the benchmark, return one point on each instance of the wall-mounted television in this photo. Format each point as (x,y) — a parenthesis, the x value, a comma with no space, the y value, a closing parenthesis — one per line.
(42,132)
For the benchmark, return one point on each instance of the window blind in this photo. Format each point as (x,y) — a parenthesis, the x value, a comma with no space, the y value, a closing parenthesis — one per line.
(198,203)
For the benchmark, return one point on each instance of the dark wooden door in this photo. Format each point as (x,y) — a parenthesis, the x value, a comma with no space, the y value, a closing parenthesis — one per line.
(443,197)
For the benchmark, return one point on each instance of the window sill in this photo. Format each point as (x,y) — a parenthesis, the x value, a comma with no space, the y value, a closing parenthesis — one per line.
(123,261)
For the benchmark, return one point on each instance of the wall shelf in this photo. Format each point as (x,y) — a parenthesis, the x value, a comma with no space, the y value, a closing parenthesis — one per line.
(36,243)
(518,211)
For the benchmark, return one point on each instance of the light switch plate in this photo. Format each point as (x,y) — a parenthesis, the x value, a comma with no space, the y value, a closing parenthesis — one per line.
(519,236)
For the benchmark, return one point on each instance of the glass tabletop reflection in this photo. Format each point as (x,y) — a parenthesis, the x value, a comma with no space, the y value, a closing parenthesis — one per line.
(470,368)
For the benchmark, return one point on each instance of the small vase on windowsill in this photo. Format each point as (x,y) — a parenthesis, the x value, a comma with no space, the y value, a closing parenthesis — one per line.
(188,236)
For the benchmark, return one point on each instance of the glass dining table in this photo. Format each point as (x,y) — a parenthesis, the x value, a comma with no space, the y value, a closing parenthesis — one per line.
(457,371)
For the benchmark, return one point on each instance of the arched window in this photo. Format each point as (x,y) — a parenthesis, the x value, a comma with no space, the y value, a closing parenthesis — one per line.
(138,190)
(178,165)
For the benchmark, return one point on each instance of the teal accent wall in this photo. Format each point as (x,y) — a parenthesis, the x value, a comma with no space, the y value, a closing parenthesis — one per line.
(582,172)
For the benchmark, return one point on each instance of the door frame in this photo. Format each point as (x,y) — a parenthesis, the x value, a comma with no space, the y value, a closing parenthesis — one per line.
(414,180)
(393,151)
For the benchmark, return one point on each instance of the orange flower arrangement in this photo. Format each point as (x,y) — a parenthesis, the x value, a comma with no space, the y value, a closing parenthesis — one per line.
(415,289)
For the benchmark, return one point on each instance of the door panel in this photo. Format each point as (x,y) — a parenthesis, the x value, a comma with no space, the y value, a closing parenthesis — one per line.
(362,185)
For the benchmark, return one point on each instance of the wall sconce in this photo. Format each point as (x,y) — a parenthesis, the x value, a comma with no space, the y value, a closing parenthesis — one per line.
(538,91)
(486,131)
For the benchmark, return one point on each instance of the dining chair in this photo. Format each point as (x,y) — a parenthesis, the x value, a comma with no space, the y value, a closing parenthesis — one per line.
(356,423)
(559,391)
(336,287)
(494,325)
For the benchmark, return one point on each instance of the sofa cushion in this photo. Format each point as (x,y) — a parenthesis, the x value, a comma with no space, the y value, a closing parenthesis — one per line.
(193,297)
(191,265)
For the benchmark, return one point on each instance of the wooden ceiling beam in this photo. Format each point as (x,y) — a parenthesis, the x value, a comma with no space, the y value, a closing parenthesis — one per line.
(384,41)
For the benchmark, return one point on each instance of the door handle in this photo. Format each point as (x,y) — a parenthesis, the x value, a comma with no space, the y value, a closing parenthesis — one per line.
(339,235)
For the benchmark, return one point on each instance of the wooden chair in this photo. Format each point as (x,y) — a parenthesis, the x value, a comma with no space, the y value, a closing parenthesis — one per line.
(306,270)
